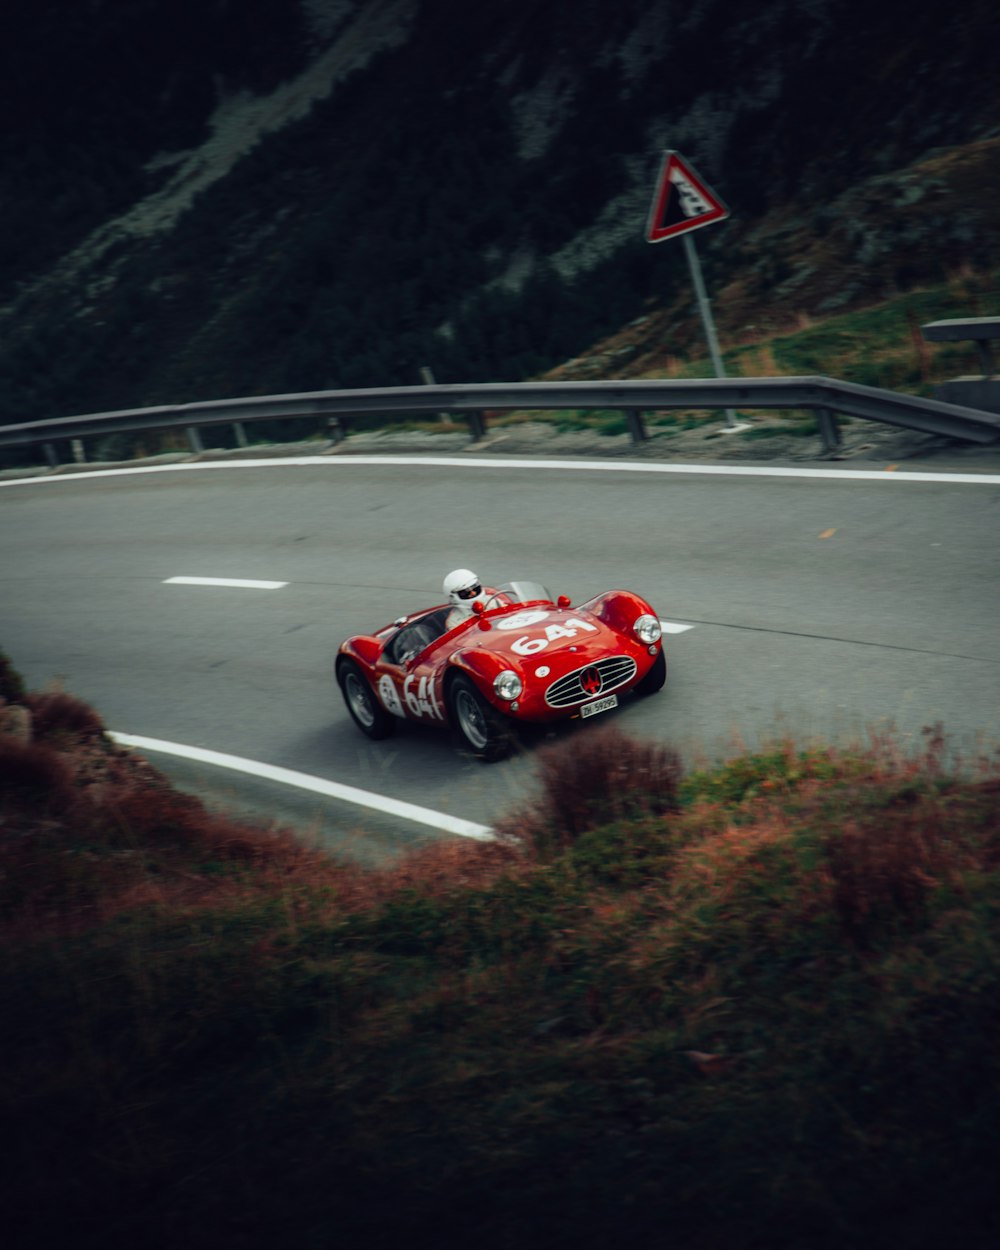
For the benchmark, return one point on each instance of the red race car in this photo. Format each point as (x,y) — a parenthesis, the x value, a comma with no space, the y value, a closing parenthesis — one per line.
(520,657)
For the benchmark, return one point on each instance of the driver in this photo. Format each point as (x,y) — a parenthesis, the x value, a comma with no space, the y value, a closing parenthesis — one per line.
(463,589)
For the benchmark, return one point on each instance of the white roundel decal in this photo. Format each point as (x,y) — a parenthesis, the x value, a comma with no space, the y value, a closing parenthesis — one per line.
(389,695)
(542,670)
(522,620)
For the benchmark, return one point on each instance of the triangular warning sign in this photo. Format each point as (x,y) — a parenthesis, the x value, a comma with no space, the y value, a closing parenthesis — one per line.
(682,201)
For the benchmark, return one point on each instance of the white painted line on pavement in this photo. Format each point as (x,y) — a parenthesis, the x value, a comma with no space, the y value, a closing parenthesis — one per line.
(507,463)
(317,785)
(672,627)
(241,582)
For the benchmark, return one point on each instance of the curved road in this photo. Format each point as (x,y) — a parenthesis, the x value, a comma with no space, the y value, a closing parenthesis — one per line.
(819,604)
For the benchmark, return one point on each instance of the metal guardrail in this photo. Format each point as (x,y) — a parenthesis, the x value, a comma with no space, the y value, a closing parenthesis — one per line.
(979,330)
(827,397)
(977,392)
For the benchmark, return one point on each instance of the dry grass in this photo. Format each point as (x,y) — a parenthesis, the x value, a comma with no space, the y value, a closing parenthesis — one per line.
(748,1005)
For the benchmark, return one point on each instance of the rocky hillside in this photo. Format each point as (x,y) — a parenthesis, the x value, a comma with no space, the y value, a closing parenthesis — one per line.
(206,199)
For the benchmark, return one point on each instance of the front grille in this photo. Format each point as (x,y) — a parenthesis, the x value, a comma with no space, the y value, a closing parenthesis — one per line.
(615,671)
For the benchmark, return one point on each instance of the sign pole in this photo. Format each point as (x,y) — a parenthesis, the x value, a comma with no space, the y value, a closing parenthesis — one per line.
(684,202)
(705,308)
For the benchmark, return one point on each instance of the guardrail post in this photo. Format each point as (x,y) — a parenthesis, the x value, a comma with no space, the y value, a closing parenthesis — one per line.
(477,425)
(241,434)
(79,455)
(636,424)
(51,455)
(829,428)
(337,428)
(194,440)
(971,392)
(428,379)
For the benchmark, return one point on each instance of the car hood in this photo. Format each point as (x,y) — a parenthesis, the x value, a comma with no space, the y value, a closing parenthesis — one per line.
(533,636)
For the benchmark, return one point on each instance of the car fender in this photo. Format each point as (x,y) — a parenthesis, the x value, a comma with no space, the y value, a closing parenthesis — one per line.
(618,609)
(481,666)
(364,650)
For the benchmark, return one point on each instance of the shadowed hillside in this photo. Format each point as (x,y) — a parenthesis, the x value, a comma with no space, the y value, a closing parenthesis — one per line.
(208,200)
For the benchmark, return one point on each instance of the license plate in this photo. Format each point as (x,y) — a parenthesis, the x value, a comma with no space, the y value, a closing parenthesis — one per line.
(599,705)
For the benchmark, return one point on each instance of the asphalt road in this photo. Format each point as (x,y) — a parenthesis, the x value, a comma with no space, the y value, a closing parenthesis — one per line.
(819,608)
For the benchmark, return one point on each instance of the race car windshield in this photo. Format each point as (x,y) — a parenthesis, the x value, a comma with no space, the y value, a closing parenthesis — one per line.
(525,592)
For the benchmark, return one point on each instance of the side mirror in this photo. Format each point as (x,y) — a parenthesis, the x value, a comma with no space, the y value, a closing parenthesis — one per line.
(478,608)
(563,601)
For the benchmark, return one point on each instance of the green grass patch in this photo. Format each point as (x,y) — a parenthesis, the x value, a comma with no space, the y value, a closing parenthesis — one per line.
(881,345)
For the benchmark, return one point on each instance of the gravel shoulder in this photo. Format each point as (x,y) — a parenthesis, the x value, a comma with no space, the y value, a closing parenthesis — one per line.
(757,441)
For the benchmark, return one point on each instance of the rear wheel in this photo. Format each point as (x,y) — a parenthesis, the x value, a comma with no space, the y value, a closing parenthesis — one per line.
(655,678)
(480,729)
(367,713)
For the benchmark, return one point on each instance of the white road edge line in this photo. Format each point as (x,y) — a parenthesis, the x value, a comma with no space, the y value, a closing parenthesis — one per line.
(317,785)
(484,462)
(243,583)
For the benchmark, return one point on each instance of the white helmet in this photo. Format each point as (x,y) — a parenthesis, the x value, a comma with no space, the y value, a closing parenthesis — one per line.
(463,588)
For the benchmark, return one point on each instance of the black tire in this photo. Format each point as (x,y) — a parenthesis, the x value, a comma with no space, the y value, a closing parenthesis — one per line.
(478,727)
(655,678)
(367,713)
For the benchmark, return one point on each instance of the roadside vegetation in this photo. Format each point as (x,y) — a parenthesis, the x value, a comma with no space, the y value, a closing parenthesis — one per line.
(879,344)
(754,1005)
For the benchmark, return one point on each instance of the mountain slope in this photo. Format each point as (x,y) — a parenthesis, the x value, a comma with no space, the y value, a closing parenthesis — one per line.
(219,200)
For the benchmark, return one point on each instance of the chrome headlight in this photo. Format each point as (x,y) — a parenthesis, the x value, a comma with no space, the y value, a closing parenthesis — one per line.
(508,685)
(647,629)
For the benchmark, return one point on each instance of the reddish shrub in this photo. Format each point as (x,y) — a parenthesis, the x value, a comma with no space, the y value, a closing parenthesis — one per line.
(34,779)
(595,779)
(156,816)
(163,820)
(884,870)
(56,714)
(11,685)
(442,867)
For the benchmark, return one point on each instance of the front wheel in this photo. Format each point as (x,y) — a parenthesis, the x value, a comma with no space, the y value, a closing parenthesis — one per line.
(480,729)
(655,678)
(367,713)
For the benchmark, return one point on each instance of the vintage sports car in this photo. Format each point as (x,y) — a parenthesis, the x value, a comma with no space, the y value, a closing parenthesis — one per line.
(520,658)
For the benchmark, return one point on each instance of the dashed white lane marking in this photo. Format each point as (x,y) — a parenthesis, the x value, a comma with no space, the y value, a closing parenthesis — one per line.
(484,462)
(672,627)
(241,582)
(316,785)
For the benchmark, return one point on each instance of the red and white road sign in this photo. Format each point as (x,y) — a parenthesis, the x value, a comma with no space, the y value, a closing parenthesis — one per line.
(682,201)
